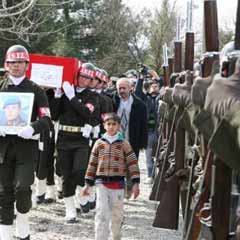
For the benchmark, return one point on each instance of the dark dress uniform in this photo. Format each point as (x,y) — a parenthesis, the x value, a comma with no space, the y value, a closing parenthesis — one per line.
(106,106)
(45,164)
(17,155)
(72,146)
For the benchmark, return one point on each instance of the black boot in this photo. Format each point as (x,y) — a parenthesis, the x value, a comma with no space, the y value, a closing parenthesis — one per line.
(26,238)
(40,199)
(85,208)
(60,194)
(92,205)
(71,221)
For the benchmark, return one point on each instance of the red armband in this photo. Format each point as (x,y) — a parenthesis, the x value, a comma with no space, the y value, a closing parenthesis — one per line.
(44,112)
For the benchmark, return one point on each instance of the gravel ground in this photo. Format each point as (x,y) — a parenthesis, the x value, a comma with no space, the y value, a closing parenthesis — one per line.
(47,221)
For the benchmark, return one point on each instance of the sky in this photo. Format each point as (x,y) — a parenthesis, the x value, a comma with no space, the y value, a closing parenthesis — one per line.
(226,8)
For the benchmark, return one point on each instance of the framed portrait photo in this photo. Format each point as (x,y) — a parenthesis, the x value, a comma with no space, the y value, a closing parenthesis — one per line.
(15,111)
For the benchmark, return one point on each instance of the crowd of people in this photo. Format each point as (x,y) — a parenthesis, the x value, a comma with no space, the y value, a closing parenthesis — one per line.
(89,135)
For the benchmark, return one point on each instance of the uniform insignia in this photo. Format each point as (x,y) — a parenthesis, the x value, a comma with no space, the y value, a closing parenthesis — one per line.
(90,107)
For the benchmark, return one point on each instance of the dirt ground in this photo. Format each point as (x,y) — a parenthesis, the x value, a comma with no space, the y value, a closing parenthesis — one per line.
(47,220)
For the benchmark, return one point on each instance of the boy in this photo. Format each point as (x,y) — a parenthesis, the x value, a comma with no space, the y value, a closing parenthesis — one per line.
(110,158)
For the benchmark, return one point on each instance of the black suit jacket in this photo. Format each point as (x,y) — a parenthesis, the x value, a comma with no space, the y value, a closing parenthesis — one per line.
(137,123)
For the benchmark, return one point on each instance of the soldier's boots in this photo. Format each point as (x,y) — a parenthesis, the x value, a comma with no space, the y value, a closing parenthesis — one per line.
(50,194)
(6,232)
(71,212)
(40,190)
(22,226)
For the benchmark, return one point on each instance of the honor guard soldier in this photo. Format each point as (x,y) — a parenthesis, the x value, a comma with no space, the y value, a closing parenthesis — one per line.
(106,104)
(75,110)
(102,85)
(45,168)
(18,152)
(45,192)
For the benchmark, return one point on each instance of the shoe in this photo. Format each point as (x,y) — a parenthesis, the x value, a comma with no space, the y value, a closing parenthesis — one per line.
(127,194)
(49,200)
(60,194)
(85,208)
(92,205)
(71,221)
(50,194)
(149,180)
(26,238)
(40,199)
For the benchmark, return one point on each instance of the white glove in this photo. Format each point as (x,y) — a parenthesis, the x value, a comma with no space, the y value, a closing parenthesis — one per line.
(2,132)
(86,130)
(68,90)
(58,93)
(26,132)
(96,131)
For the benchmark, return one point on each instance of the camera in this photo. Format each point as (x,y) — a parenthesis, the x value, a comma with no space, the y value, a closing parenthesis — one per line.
(143,69)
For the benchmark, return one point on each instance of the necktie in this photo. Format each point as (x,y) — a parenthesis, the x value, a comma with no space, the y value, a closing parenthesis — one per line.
(124,122)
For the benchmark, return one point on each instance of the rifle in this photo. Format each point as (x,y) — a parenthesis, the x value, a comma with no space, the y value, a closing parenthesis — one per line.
(189,58)
(221,199)
(156,193)
(166,214)
(168,210)
(153,195)
(211,44)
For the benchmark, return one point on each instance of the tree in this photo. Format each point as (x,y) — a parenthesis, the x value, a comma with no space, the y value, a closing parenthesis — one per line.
(162,31)
(120,37)
(30,22)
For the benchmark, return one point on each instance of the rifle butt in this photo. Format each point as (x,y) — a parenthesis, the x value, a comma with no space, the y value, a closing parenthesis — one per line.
(168,209)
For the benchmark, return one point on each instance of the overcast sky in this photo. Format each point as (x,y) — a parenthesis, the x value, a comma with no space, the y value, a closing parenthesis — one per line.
(226,8)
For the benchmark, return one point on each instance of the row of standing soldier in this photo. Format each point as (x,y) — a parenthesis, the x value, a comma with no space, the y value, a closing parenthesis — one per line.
(200,112)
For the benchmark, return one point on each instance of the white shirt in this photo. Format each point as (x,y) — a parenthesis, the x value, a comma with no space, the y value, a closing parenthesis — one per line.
(16,81)
(127,105)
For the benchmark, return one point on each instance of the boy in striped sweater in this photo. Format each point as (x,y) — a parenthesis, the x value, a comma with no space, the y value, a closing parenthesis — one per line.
(110,159)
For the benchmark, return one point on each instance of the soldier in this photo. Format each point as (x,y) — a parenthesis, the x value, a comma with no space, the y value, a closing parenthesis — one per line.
(75,110)
(19,152)
(106,104)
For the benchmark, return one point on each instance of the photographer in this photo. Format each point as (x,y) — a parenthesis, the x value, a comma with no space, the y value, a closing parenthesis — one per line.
(147,89)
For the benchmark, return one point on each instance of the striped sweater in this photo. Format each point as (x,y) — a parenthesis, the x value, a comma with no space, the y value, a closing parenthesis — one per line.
(110,162)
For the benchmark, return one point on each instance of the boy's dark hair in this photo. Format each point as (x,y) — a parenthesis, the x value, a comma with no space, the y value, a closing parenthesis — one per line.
(112,116)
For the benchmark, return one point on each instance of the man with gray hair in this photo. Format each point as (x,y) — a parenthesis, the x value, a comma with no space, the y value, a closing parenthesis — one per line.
(133,114)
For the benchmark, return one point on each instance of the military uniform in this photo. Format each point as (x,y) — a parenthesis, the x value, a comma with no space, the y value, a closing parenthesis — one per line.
(45,164)
(75,117)
(17,155)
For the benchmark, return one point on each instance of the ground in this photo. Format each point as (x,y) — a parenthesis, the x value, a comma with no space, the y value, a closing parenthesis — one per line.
(47,221)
